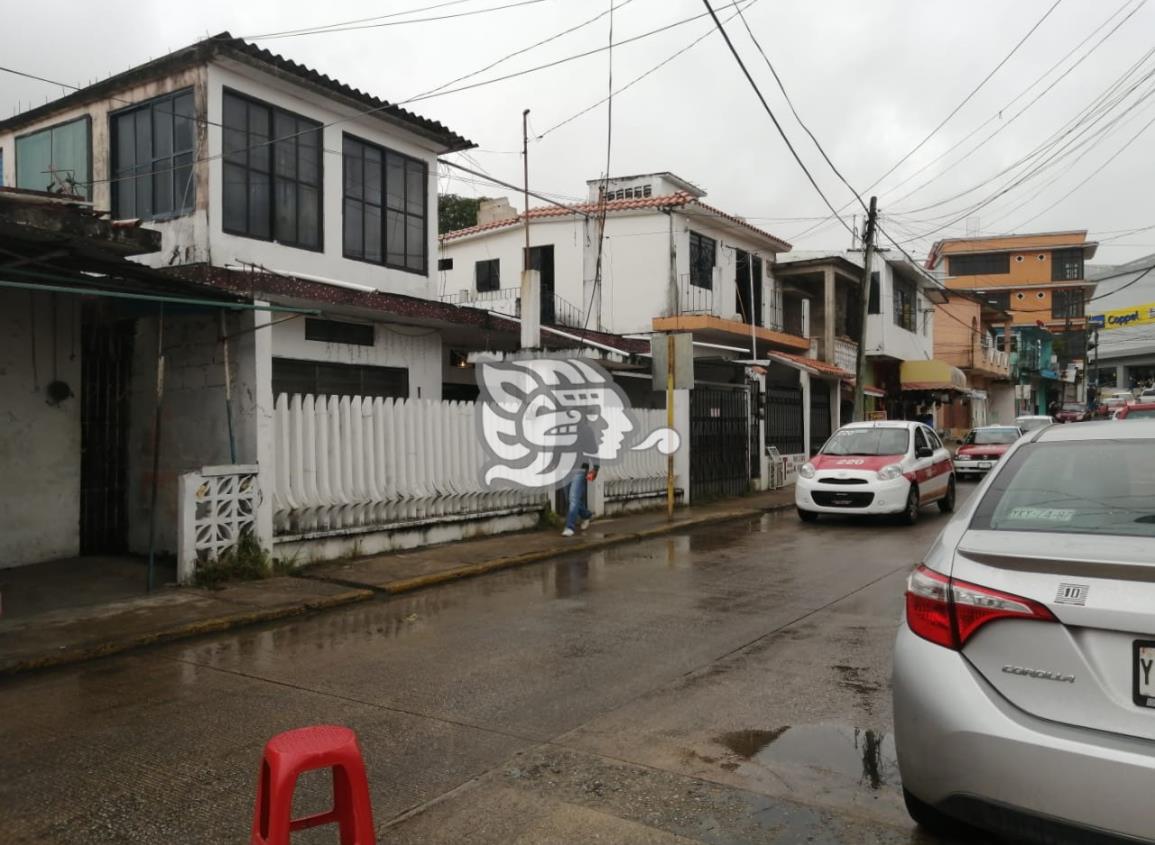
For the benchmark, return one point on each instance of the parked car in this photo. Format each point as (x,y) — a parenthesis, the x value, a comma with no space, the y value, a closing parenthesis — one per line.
(1024,694)
(1072,412)
(1031,422)
(1148,395)
(982,448)
(1112,404)
(886,467)
(1136,410)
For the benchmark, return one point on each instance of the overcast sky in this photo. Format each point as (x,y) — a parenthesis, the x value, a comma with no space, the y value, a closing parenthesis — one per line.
(870,79)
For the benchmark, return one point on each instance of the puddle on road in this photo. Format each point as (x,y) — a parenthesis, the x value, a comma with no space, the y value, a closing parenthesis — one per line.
(863,754)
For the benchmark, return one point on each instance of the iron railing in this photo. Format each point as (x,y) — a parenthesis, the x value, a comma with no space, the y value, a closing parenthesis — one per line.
(508,301)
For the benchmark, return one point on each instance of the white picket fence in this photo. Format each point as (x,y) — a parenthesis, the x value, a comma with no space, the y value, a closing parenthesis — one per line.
(353,463)
(638,474)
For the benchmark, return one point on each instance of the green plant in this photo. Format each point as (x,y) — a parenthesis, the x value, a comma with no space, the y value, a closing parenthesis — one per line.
(245,561)
(287,565)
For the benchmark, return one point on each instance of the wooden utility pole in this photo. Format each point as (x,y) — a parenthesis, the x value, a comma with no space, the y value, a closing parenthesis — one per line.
(867,256)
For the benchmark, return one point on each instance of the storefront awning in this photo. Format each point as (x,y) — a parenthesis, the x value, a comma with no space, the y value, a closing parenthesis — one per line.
(876,392)
(932,375)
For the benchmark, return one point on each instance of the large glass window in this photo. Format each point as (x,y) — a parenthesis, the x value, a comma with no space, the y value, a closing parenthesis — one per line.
(56,159)
(272,172)
(1066,302)
(386,206)
(703,252)
(905,305)
(153,148)
(1066,265)
(985,264)
(487,274)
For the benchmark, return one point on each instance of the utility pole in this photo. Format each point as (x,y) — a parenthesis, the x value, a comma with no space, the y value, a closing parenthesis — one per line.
(867,255)
(525,183)
(530,279)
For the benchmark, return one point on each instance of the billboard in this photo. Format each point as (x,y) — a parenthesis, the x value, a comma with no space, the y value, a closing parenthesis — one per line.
(1120,318)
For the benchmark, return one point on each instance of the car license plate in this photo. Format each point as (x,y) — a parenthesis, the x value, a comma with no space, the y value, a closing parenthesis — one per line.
(985,464)
(1144,687)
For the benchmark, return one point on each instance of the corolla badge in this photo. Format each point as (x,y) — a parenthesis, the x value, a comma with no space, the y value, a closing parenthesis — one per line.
(541,419)
(1041,674)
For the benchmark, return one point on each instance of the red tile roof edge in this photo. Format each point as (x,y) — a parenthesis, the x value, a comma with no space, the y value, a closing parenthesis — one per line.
(815,364)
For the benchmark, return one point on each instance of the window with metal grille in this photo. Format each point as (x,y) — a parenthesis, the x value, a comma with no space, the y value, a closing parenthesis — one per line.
(983,264)
(1067,302)
(444,263)
(1066,265)
(874,306)
(56,159)
(703,252)
(905,305)
(1001,299)
(324,379)
(488,274)
(153,149)
(336,331)
(386,205)
(272,173)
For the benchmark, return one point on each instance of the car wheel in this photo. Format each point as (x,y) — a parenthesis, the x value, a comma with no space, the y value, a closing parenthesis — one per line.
(807,516)
(927,817)
(946,503)
(910,514)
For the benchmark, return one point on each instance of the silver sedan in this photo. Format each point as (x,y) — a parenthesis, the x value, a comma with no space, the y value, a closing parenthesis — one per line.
(1024,671)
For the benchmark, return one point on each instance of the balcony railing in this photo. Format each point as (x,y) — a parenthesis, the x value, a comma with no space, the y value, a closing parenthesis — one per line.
(846,354)
(693,299)
(993,358)
(508,301)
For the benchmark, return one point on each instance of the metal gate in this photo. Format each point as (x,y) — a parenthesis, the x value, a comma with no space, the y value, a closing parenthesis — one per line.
(820,428)
(719,443)
(784,419)
(755,414)
(105,370)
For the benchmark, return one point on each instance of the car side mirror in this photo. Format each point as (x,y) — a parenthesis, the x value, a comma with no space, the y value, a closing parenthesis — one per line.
(924,452)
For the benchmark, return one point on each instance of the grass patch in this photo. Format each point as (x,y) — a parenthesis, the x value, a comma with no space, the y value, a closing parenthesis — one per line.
(246,561)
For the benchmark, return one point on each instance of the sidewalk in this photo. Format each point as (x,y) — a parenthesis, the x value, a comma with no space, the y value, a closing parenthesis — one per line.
(75,634)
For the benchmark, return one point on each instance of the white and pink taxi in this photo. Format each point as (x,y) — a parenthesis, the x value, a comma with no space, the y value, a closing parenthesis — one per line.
(889,467)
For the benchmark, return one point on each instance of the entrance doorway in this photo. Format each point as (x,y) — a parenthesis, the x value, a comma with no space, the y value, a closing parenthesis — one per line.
(541,259)
(748,286)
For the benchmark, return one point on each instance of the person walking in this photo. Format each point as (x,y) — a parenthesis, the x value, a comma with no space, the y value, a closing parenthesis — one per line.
(578,512)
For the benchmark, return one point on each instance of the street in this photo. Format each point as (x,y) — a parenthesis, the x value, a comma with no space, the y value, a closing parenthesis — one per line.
(725,685)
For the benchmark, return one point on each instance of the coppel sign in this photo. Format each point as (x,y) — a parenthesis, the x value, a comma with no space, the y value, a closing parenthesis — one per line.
(1123,317)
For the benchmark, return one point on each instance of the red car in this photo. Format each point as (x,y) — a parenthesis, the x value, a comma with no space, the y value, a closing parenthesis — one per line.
(1145,410)
(983,448)
(1072,412)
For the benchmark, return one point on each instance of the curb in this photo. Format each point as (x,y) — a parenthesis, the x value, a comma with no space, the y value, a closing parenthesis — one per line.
(359,592)
(188,630)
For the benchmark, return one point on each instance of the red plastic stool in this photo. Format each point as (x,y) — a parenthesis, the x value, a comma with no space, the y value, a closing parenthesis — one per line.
(289,754)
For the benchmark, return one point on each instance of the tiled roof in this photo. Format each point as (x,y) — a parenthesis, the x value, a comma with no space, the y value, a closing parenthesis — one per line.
(225,45)
(675,200)
(821,367)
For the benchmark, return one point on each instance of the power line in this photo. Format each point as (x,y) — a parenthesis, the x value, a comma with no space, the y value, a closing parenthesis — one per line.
(360,20)
(770,112)
(497,181)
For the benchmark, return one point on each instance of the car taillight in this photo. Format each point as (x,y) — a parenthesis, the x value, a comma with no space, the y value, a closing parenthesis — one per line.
(948,612)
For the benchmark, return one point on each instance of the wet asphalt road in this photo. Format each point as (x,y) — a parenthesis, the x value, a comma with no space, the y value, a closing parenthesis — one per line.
(726,685)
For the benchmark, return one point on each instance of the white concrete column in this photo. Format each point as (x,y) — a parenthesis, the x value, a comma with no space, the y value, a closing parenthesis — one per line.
(682,456)
(266,445)
(804,381)
(828,312)
(530,309)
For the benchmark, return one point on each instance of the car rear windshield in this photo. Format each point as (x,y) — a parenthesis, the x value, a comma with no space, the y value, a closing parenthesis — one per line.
(1085,487)
(1147,413)
(868,441)
(992,437)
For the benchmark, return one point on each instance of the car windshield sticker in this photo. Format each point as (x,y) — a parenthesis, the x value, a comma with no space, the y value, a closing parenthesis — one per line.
(1041,514)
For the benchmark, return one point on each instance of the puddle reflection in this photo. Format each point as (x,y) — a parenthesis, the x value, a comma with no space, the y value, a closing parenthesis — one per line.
(866,755)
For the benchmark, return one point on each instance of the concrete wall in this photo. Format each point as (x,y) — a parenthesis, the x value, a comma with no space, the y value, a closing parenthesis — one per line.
(883,337)
(954,338)
(39,443)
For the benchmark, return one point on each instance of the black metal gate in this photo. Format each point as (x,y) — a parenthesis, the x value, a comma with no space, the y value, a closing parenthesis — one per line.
(755,414)
(784,419)
(719,443)
(820,427)
(105,372)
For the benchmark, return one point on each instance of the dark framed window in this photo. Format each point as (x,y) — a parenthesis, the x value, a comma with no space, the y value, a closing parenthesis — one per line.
(57,159)
(337,331)
(874,305)
(272,172)
(444,263)
(1067,302)
(703,255)
(386,209)
(983,264)
(1066,265)
(153,150)
(487,274)
(1001,299)
(905,305)
(324,379)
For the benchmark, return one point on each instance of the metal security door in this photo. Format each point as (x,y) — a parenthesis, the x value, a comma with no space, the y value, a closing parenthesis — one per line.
(820,429)
(105,369)
(784,423)
(719,443)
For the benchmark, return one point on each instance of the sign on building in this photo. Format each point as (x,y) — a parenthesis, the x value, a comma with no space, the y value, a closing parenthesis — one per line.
(1120,318)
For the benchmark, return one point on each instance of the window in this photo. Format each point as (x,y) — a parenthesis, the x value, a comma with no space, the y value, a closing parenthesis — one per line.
(324,379)
(57,159)
(153,148)
(984,264)
(874,306)
(386,198)
(868,442)
(905,306)
(272,171)
(999,299)
(1066,302)
(335,331)
(488,274)
(1066,265)
(702,255)
(444,263)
